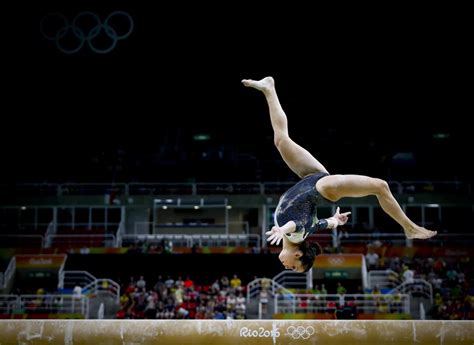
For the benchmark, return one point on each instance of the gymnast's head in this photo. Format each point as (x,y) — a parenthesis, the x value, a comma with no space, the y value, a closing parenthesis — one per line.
(299,257)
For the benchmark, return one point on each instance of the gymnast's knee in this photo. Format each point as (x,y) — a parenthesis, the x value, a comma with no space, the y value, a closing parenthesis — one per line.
(381,186)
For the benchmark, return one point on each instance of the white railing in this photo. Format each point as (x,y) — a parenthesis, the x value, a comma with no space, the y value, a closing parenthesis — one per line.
(266,188)
(229,228)
(69,279)
(422,312)
(8,303)
(256,285)
(103,286)
(177,228)
(418,286)
(162,188)
(92,189)
(61,275)
(119,235)
(383,279)
(233,227)
(9,273)
(89,283)
(44,304)
(290,279)
(400,238)
(54,304)
(366,303)
(191,240)
(273,288)
(52,228)
(101,312)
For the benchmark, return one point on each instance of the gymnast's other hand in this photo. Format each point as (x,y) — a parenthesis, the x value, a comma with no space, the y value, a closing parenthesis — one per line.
(339,218)
(275,235)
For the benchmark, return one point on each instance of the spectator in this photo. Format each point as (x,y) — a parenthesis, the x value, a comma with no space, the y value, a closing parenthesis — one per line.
(141,284)
(371,259)
(188,284)
(169,283)
(224,282)
(215,288)
(236,283)
(408,275)
(340,290)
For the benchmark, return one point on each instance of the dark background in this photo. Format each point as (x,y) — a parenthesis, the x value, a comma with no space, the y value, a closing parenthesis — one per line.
(359,85)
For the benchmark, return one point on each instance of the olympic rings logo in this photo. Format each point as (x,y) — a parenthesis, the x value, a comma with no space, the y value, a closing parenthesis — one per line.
(336,261)
(87,27)
(300,332)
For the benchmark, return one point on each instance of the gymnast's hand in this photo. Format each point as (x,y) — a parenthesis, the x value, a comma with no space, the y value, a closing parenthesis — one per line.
(276,233)
(340,218)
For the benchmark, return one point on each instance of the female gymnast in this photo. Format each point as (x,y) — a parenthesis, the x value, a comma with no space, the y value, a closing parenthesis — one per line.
(295,215)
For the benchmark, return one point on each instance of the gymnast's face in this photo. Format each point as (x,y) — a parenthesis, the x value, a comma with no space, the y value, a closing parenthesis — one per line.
(290,258)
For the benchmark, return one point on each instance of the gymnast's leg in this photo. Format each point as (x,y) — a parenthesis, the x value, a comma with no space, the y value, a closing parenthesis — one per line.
(335,187)
(297,158)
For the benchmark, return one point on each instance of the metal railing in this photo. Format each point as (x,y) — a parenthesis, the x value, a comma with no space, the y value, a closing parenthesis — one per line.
(383,279)
(290,279)
(273,288)
(119,235)
(89,283)
(265,188)
(9,303)
(201,240)
(417,286)
(441,239)
(366,303)
(103,286)
(44,304)
(171,228)
(9,273)
(52,229)
(69,279)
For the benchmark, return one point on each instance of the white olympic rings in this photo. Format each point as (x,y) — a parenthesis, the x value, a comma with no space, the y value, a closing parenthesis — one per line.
(300,332)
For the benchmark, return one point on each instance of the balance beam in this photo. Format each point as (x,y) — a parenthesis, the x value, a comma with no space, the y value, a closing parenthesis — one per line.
(150,332)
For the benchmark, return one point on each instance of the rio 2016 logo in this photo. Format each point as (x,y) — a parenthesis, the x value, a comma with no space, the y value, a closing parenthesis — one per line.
(259,333)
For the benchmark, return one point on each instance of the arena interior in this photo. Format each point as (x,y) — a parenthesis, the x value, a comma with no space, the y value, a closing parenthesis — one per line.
(139,176)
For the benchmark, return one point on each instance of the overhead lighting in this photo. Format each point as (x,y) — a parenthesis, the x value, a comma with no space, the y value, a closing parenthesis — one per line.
(201,137)
(440,135)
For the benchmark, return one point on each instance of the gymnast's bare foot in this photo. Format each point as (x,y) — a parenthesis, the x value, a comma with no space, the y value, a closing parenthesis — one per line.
(419,232)
(265,84)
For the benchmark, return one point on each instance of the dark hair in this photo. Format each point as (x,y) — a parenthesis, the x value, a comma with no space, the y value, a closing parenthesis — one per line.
(310,250)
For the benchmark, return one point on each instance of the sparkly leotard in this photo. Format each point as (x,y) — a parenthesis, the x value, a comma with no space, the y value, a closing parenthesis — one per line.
(299,204)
